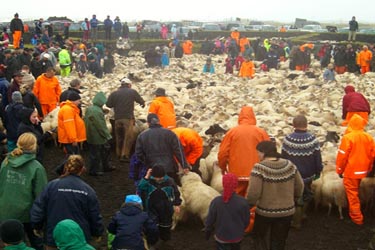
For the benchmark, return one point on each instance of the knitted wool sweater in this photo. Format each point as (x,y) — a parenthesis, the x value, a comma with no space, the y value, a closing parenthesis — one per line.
(274,187)
(303,149)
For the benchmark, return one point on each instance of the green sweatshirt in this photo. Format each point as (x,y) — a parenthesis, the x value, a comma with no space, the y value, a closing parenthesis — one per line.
(21,246)
(22,179)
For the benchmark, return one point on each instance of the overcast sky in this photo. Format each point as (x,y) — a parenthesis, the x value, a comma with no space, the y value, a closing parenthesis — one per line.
(338,11)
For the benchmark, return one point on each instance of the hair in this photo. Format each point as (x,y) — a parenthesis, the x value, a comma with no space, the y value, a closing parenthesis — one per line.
(300,121)
(25,67)
(26,143)
(73,165)
(50,69)
(268,148)
(75,82)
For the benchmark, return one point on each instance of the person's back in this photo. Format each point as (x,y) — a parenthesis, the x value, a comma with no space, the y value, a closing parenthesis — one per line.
(130,223)
(163,107)
(354,102)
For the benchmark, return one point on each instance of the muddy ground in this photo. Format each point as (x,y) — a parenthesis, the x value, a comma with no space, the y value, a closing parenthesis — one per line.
(320,232)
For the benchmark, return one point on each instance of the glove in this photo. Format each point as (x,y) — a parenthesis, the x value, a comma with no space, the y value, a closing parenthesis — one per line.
(341,176)
(38,233)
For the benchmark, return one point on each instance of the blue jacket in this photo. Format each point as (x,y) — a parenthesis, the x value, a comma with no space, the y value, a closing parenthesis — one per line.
(67,198)
(108,23)
(4,85)
(129,224)
(13,119)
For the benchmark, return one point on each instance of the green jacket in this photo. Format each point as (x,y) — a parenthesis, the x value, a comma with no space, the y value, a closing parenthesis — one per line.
(22,179)
(64,57)
(68,235)
(96,129)
(21,246)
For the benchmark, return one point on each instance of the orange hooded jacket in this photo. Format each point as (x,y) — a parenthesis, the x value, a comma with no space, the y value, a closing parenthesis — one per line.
(235,34)
(356,151)
(364,58)
(187,47)
(192,143)
(47,90)
(237,152)
(247,69)
(164,108)
(71,127)
(243,42)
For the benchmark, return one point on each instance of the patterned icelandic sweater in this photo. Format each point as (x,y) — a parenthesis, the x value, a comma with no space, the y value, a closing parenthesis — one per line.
(274,187)
(303,149)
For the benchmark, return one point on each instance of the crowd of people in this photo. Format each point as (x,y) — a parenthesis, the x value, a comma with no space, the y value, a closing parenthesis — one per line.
(265,181)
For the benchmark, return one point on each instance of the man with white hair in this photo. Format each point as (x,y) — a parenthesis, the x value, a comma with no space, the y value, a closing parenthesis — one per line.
(122,101)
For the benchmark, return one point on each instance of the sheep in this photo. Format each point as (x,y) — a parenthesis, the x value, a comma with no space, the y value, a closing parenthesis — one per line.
(182,215)
(197,195)
(366,193)
(217,178)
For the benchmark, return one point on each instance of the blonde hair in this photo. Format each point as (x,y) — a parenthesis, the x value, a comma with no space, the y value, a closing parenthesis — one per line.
(27,142)
(73,165)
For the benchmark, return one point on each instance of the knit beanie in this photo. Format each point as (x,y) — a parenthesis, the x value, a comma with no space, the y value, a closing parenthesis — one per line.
(16,96)
(230,182)
(12,232)
(73,96)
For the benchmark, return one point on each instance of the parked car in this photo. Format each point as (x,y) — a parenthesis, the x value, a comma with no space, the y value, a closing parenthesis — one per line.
(313,28)
(343,30)
(267,27)
(211,27)
(367,31)
(253,27)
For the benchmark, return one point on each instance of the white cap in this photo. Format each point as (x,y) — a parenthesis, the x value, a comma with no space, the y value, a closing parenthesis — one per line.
(125,80)
(46,55)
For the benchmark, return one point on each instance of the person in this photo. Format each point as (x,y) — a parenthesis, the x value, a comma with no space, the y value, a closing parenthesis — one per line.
(11,64)
(329,73)
(122,101)
(68,235)
(275,185)
(229,62)
(208,66)
(94,27)
(15,84)
(17,29)
(351,56)
(12,234)
(160,146)
(74,87)
(228,216)
(66,30)
(65,61)
(302,148)
(161,199)
(354,103)
(247,68)
(165,57)
(25,57)
(125,30)
(71,127)
(272,59)
(163,107)
(192,144)
(85,26)
(4,85)
(39,27)
(48,90)
(235,35)
(108,62)
(98,137)
(364,59)
(82,66)
(237,151)
(22,180)
(340,60)
(108,23)
(27,77)
(12,119)
(68,197)
(164,31)
(153,57)
(36,66)
(117,26)
(30,123)
(187,47)
(353,28)
(354,161)
(130,223)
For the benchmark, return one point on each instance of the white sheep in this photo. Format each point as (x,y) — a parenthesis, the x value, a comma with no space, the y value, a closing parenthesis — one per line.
(217,178)
(197,195)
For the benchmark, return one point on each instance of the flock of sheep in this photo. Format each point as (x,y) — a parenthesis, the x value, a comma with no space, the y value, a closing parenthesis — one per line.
(203,99)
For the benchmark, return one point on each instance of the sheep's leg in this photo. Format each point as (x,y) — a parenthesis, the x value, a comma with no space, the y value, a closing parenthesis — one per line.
(329,209)
(340,212)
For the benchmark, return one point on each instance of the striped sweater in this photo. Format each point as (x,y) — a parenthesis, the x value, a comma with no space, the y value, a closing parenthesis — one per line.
(274,187)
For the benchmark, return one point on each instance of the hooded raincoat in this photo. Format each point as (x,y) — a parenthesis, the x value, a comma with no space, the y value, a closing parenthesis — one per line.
(191,142)
(237,152)
(22,179)
(71,127)
(164,108)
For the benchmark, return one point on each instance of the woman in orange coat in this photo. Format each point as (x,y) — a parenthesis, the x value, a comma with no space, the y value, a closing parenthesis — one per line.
(247,68)
(164,108)
(192,144)
(187,47)
(354,160)
(237,152)
(48,90)
(364,59)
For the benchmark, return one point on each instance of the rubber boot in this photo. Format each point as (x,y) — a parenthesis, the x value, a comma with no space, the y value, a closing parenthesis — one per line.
(297,218)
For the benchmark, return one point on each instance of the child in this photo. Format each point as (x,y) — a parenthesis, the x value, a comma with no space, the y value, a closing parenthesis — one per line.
(228,216)
(165,57)
(160,198)
(247,68)
(329,73)
(208,67)
(130,223)
(12,234)
(238,61)
(228,65)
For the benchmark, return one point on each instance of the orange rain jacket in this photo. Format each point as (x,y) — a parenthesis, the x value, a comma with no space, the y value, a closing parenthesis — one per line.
(237,152)
(356,151)
(192,143)
(164,108)
(364,58)
(247,69)
(187,47)
(243,42)
(235,34)
(70,127)
(47,90)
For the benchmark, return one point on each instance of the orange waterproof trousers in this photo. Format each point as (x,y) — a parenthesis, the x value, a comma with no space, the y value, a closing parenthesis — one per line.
(17,38)
(46,108)
(365,69)
(352,189)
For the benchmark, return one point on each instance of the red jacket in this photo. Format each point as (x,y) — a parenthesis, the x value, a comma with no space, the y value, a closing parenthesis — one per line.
(237,152)
(354,102)
(356,151)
